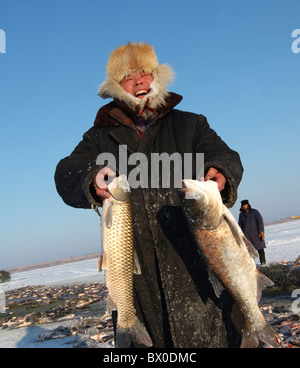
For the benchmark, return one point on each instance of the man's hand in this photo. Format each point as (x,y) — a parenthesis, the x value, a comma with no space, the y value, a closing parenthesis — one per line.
(215,175)
(100,181)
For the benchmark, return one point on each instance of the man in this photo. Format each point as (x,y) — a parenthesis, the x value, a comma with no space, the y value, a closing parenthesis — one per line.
(252,224)
(173,295)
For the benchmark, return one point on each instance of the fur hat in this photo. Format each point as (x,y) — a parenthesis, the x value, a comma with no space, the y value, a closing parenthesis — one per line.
(244,201)
(136,56)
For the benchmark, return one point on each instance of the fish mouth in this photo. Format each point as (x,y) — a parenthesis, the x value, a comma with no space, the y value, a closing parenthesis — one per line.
(119,188)
(190,190)
(190,185)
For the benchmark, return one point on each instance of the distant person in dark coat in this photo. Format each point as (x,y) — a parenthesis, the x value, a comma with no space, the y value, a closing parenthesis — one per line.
(252,224)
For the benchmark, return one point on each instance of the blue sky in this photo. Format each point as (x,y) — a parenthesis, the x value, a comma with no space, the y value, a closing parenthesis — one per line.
(233,62)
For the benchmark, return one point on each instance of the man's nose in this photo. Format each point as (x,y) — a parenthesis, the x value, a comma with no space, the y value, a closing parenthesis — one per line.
(138,81)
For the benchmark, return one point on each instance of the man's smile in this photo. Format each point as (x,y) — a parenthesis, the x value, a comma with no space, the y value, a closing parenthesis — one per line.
(141,93)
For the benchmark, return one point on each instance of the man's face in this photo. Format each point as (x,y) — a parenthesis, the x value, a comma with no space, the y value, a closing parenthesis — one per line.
(137,83)
(245,207)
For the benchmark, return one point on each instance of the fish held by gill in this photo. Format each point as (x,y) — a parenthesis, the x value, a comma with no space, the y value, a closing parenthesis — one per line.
(229,256)
(119,262)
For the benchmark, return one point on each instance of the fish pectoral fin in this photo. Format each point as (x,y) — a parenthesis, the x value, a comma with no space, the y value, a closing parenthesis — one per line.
(136,264)
(216,283)
(109,215)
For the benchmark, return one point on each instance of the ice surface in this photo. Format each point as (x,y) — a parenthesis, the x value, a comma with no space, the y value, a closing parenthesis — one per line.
(283,243)
(282,240)
(70,273)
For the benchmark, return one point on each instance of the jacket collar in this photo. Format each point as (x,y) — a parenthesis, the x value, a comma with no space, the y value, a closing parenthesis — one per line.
(119,112)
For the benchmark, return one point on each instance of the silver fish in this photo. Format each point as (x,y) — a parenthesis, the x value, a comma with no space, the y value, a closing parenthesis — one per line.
(119,260)
(229,256)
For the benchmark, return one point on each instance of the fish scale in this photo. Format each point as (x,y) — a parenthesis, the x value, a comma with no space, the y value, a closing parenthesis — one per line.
(119,261)
(229,256)
(119,248)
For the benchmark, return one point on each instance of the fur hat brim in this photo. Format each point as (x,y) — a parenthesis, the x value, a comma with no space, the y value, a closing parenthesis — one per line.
(136,56)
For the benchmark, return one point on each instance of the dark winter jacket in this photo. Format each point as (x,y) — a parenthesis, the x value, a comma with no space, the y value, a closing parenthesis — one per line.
(173,296)
(251,222)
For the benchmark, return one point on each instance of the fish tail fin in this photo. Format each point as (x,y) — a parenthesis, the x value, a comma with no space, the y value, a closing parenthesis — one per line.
(267,336)
(270,337)
(136,333)
(249,340)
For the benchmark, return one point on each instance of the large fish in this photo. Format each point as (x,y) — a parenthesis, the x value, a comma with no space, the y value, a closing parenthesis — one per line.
(229,256)
(119,260)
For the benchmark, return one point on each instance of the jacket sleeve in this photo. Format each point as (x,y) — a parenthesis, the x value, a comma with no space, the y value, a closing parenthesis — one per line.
(240,221)
(217,154)
(259,221)
(74,174)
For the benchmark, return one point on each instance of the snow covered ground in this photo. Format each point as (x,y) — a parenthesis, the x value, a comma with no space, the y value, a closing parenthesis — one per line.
(65,274)
(76,273)
(283,243)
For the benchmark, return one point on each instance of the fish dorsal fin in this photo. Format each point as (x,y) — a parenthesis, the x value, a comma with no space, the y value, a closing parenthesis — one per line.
(262,282)
(102,262)
(237,232)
